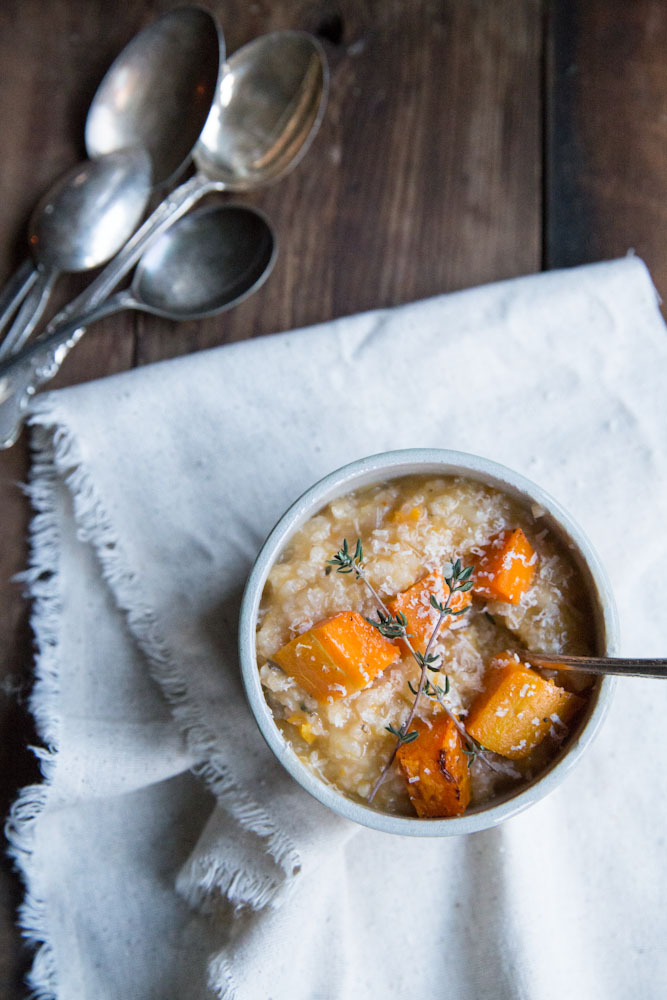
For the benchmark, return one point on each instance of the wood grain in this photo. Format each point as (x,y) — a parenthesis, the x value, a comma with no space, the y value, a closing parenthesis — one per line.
(606,173)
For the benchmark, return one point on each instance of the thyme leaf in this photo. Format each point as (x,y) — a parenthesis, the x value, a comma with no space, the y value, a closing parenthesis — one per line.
(346,562)
(401,735)
(390,626)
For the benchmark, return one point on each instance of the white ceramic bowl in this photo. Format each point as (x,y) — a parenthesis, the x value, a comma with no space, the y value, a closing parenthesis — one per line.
(391,465)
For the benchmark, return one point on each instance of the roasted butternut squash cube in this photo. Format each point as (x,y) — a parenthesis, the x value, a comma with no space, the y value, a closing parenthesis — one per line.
(435,768)
(415,604)
(517,708)
(337,656)
(505,570)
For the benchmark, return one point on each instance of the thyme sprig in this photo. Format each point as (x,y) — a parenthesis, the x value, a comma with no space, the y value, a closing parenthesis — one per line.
(459,580)
(346,562)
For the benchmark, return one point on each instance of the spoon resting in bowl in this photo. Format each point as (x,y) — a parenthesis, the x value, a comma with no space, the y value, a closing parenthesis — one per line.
(600,664)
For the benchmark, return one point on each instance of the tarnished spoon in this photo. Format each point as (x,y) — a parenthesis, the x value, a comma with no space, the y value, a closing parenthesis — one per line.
(207,261)
(158,91)
(284,77)
(156,96)
(269,103)
(79,224)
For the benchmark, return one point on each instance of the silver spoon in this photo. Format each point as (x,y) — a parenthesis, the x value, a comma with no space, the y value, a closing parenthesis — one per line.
(158,91)
(269,103)
(205,262)
(293,105)
(156,96)
(83,220)
(275,87)
(600,665)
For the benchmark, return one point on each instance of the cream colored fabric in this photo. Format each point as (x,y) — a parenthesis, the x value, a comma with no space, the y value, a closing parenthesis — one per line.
(154,490)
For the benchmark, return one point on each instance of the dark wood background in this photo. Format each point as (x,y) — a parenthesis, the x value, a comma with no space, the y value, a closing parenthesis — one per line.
(465,141)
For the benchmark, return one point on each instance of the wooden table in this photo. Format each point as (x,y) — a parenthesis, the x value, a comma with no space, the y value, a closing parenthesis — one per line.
(465,141)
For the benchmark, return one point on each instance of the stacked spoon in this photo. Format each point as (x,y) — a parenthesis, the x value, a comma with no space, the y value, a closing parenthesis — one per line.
(245,123)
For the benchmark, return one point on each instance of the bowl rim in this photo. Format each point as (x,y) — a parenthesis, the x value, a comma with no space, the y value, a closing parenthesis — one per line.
(393,465)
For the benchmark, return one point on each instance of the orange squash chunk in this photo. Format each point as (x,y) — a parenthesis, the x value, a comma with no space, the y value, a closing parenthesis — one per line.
(505,570)
(415,604)
(337,656)
(517,708)
(435,769)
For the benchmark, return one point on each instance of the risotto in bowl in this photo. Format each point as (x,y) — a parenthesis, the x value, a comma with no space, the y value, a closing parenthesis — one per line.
(385,640)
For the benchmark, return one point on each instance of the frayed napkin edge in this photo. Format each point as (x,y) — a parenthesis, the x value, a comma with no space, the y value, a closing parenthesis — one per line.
(56,460)
(41,580)
(55,443)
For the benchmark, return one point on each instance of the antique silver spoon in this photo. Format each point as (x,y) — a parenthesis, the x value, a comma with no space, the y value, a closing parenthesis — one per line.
(158,91)
(83,220)
(269,104)
(155,96)
(293,104)
(205,262)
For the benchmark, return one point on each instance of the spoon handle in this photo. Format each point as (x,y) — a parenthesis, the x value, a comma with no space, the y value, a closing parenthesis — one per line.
(16,289)
(602,665)
(22,374)
(30,313)
(28,371)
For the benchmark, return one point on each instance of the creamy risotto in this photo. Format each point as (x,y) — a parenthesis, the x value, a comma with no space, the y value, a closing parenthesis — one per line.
(341,691)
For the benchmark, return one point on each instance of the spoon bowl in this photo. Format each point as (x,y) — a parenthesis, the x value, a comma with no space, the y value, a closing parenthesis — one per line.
(269,104)
(158,92)
(89,213)
(208,261)
(82,221)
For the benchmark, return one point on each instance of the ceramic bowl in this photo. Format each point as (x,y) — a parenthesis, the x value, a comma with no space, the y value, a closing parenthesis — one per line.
(391,465)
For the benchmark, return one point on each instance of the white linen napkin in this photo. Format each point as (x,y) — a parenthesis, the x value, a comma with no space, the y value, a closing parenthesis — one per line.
(154,490)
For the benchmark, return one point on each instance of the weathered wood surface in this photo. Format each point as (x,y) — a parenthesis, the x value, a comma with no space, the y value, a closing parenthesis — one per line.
(464,142)
(606,136)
